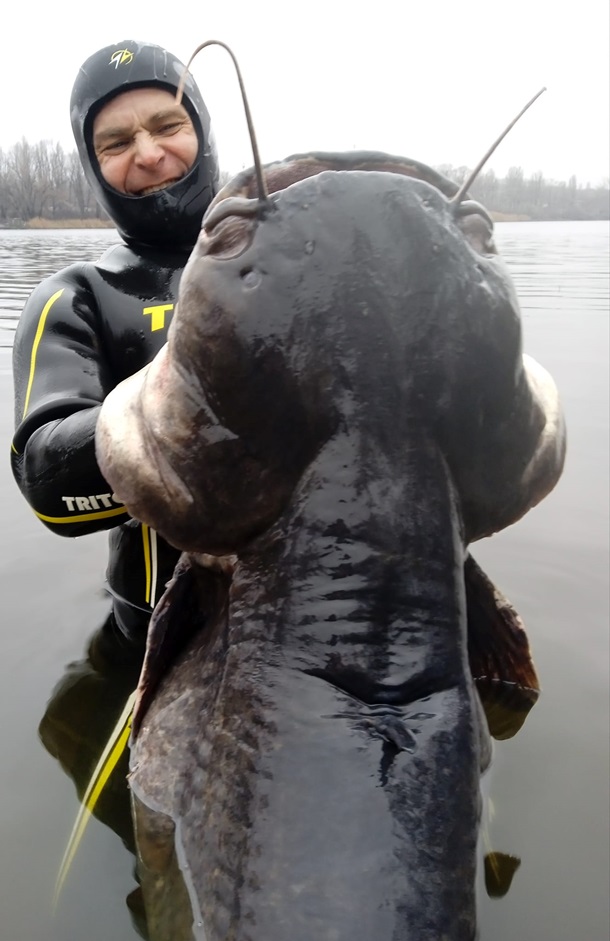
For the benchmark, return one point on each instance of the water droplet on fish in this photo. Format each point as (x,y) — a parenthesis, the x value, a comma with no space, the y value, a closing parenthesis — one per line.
(309,248)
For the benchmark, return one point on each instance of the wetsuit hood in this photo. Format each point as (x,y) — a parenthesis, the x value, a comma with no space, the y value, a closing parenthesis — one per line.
(169,218)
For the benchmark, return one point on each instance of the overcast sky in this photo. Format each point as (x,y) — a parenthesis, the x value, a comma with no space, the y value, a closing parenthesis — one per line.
(433,81)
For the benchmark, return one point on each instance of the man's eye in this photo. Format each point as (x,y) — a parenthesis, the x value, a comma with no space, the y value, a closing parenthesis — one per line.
(115,147)
(170,128)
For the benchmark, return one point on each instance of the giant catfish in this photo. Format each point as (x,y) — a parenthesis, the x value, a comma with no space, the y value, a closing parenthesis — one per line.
(341,408)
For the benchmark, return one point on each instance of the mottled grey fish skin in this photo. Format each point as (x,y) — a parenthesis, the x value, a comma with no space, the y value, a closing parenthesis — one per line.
(342,405)
(318,743)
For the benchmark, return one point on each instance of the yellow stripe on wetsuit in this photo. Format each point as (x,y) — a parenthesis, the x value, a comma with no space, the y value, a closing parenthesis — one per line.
(149,541)
(82,517)
(37,339)
(147,568)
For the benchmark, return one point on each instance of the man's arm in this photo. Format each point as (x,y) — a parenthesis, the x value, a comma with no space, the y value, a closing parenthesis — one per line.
(61,376)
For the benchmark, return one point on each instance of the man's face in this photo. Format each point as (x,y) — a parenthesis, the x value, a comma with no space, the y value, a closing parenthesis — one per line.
(144,141)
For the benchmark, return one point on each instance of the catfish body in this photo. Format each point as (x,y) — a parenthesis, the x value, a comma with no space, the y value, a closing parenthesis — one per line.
(342,407)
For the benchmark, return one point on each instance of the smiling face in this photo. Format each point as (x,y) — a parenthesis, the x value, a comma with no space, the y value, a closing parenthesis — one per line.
(144,141)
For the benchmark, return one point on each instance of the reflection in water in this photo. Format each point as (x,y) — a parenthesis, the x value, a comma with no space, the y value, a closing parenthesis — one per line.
(81,713)
(88,700)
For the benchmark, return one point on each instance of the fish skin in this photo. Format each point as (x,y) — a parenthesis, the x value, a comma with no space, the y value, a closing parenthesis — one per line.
(343,405)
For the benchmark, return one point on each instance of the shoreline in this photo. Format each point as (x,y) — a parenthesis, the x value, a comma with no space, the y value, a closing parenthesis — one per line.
(42,224)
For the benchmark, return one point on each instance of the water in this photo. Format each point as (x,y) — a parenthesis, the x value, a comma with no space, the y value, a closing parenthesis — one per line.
(548,787)
(27,256)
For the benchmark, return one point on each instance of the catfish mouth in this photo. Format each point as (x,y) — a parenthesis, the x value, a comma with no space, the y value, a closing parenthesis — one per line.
(240,196)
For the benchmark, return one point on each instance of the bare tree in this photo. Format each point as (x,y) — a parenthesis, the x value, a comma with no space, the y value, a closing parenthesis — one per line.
(40,178)
(58,167)
(486,188)
(513,190)
(78,186)
(21,179)
(4,198)
(42,175)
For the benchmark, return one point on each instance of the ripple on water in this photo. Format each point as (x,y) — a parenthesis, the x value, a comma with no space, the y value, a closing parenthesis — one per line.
(28,256)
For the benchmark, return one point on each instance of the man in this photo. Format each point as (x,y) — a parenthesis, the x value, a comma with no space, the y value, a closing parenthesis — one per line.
(152,165)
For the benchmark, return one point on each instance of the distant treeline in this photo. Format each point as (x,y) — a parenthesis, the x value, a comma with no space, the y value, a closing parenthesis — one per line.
(42,181)
(535,197)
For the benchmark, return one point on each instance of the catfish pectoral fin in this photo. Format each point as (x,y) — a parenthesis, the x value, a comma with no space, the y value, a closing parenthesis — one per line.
(499,871)
(160,643)
(506,706)
(499,653)
(183,609)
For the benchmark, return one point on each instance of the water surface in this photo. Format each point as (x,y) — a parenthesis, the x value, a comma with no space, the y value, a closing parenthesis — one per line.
(548,787)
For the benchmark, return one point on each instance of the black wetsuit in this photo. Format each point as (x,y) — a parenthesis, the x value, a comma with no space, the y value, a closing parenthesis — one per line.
(82,331)
(92,325)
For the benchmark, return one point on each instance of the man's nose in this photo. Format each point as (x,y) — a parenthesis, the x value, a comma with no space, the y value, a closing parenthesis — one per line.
(148,151)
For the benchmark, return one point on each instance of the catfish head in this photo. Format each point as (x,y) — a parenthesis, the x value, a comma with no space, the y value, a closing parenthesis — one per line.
(357,295)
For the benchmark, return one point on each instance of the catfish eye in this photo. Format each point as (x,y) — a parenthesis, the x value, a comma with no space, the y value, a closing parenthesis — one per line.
(250,277)
(237,206)
(229,238)
(477,226)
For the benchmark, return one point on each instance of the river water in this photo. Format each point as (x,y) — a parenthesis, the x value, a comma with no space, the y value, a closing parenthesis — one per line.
(547,792)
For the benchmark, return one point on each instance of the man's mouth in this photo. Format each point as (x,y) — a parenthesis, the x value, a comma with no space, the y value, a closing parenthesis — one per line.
(158,186)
